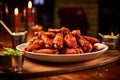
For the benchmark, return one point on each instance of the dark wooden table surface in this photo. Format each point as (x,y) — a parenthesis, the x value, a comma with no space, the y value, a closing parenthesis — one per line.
(105,67)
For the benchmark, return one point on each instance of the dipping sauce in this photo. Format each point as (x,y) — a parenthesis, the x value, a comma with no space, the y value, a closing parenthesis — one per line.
(111,41)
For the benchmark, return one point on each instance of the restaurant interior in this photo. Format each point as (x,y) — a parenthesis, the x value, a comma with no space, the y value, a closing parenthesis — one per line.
(91,17)
(96,15)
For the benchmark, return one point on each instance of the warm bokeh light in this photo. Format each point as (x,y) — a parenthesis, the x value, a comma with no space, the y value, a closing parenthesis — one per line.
(16,11)
(6,9)
(30,4)
(24,12)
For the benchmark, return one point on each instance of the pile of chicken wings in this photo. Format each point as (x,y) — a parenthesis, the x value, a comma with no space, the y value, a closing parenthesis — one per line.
(61,41)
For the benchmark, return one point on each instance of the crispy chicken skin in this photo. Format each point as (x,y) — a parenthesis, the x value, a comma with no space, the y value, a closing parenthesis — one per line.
(63,30)
(35,45)
(47,41)
(54,30)
(61,40)
(33,39)
(76,32)
(70,41)
(58,41)
(72,51)
(48,34)
(86,46)
(46,51)
(92,40)
(95,48)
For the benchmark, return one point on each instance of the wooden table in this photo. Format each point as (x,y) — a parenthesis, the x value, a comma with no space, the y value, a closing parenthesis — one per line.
(105,67)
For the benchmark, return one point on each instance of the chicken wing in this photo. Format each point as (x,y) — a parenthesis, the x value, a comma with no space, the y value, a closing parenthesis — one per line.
(48,34)
(86,46)
(54,30)
(70,41)
(33,39)
(35,45)
(92,40)
(76,32)
(47,41)
(58,41)
(46,51)
(72,51)
(95,48)
(63,30)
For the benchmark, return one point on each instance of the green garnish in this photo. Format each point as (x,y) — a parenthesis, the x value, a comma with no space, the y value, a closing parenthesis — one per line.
(10,52)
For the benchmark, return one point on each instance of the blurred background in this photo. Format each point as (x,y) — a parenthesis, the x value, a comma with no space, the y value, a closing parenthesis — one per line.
(90,16)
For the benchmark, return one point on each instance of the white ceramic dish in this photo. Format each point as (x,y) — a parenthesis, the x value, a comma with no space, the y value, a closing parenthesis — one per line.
(63,57)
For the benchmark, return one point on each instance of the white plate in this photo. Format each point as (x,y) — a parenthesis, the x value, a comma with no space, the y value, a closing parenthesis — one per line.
(63,57)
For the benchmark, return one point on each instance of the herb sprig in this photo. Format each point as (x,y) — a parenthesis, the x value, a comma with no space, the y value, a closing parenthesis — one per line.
(10,52)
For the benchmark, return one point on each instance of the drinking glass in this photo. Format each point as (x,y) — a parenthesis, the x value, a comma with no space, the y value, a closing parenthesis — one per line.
(18,38)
